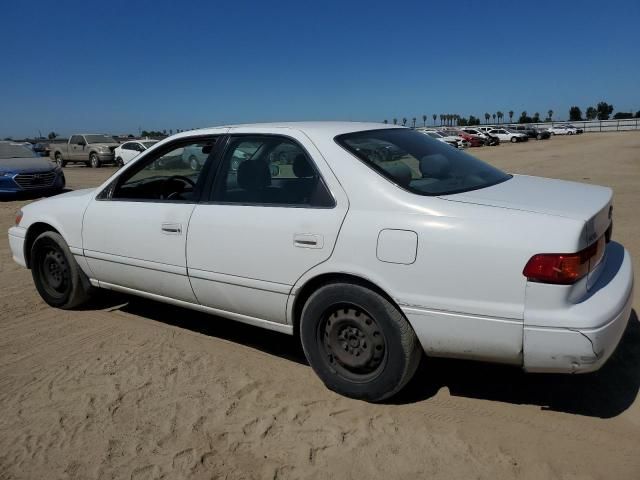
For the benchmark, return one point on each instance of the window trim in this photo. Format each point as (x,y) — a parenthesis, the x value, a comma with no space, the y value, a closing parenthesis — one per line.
(141,161)
(217,177)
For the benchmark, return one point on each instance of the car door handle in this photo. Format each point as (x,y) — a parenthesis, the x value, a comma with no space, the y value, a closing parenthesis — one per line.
(308,240)
(172,228)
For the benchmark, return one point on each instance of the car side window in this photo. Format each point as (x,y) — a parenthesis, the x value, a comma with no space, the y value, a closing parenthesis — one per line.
(128,146)
(166,175)
(75,139)
(269,170)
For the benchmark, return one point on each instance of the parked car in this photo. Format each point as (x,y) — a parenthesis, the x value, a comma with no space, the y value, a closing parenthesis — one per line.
(454,142)
(91,149)
(22,170)
(472,140)
(372,262)
(578,129)
(531,131)
(127,151)
(506,135)
(488,138)
(562,130)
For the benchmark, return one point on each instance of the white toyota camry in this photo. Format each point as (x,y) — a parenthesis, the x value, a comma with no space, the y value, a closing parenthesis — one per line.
(373,243)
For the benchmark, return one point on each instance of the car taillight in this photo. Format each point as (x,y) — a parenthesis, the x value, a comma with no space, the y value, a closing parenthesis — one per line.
(564,268)
(18,217)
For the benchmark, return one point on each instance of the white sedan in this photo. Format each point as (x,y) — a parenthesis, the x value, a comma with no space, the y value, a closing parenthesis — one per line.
(563,130)
(127,151)
(374,244)
(506,135)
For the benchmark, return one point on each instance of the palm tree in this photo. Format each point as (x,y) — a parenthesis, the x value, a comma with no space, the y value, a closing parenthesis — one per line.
(414,122)
(500,116)
(441,119)
(510,116)
(434,116)
(550,113)
(404,121)
(395,121)
(424,120)
(494,118)
(486,118)
(386,121)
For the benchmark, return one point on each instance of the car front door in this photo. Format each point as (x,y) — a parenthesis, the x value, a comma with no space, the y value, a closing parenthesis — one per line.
(275,212)
(134,231)
(76,147)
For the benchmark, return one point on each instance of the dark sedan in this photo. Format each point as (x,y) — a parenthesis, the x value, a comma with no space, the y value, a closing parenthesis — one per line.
(22,170)
(531,131)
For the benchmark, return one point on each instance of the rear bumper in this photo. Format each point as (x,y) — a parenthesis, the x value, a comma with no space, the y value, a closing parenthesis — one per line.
(16,244)
(588,331)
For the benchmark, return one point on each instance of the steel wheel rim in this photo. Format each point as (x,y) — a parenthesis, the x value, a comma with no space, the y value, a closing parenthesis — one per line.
(55,272)
(93,161)
(59,160)
(352,343)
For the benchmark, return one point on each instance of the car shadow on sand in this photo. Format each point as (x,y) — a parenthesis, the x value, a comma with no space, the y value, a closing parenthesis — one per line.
(604,394)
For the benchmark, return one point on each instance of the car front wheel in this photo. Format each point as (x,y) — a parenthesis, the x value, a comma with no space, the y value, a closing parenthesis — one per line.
(94,160)
(58,278)
(358,342)
(514,139)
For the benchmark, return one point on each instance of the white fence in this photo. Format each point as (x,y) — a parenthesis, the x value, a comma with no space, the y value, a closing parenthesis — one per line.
(598,125)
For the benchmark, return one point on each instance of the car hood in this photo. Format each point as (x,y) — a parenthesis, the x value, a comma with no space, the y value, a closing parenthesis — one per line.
(541,195)
(36,164)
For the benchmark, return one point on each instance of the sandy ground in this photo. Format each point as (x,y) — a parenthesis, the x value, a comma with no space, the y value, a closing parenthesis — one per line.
(136,390)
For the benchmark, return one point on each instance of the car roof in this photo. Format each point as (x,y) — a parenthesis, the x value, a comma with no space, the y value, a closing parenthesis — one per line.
(331,128)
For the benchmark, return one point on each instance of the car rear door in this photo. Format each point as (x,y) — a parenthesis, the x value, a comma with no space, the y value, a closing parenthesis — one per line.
(274,212)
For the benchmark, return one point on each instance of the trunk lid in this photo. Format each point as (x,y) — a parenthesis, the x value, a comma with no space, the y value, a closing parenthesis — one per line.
(579,201)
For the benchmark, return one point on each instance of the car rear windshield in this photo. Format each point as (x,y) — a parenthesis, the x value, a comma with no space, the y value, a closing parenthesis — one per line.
(419,163)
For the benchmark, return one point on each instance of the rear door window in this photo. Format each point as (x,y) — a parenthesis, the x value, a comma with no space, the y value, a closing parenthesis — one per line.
(417,163)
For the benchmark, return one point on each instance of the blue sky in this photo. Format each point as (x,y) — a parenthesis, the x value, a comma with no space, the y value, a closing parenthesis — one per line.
(122,65)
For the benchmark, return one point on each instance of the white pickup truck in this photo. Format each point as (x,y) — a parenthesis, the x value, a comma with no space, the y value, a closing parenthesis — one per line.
(91,149)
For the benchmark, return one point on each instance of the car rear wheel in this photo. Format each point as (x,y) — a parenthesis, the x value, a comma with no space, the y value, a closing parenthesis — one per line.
(94,160)
(358,342)
(120,162)
(193,163)
(59,160)
(58,278)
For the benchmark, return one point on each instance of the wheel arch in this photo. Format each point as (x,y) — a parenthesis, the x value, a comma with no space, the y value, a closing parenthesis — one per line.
(34,232)
(303,292)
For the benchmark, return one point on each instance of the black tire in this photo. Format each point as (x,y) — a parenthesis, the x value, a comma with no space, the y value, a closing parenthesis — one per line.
(94,160)
(514,139)
(357,342)
(538,137)
(58,278)
(59,160)
(119,162)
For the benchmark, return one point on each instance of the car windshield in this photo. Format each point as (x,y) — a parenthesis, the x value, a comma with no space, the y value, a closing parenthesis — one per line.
(99,139)
(434,134)
(418,163)
(148,144)
(16,150)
